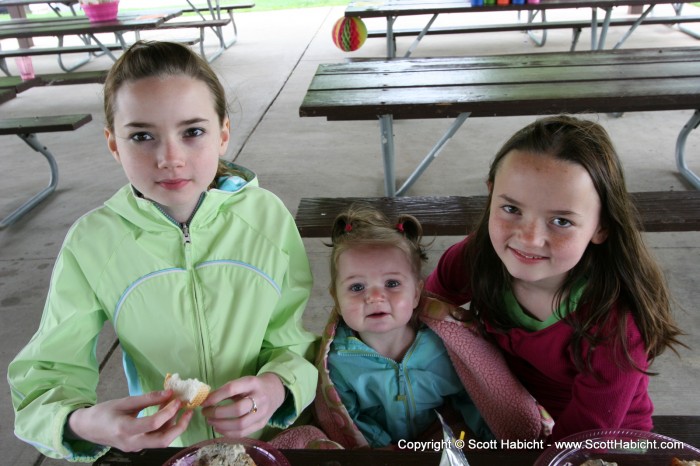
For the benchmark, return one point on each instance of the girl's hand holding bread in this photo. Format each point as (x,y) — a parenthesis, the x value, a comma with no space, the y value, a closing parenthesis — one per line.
(116,422)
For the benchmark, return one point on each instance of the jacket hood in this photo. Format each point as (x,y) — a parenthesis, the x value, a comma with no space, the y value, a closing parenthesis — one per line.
(129,204)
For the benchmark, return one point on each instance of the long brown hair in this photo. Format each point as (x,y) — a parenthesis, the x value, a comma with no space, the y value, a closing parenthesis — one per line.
(620,274)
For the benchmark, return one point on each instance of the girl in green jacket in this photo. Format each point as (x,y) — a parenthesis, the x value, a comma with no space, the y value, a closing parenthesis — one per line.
(198,270)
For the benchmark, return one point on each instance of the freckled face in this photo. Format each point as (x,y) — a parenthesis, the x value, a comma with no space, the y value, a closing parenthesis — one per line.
(544,213)
(376,289)
(168,139)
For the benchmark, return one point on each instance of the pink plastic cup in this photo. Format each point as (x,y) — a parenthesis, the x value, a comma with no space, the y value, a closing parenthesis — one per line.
(26,68)
(97,12)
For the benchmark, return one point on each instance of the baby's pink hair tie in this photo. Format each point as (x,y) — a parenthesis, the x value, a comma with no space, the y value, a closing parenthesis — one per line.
(348,227)
(399,227)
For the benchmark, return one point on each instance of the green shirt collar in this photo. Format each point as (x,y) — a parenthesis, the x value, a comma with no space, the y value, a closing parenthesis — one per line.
(530,323)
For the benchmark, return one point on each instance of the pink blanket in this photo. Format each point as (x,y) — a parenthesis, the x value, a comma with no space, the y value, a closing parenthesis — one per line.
(509,410)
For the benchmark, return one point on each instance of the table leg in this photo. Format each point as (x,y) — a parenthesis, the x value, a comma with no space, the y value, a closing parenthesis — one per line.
(386,127)
(604,30)
(539,42)
(32,202)
(678,7)
(634,26)
(390,40)
(105,49)
(75,66)
(688,174)
(420,36)
(19,12)
(386,124)
(215,13)
(594,28)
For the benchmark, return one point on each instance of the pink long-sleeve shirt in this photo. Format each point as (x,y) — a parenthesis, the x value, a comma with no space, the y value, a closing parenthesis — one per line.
(610,397)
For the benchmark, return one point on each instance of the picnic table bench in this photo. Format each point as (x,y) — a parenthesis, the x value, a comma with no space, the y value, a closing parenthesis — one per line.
(506,85)
(661,211)
(52,79)
(60,50)
(576,26)
(7,94)
(27,129)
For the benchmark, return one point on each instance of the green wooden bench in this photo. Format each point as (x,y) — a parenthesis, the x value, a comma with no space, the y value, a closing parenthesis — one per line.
(536,12)
(93,50)
(660,211)
(7,94)
(53,79)
(27,129)
(576,26)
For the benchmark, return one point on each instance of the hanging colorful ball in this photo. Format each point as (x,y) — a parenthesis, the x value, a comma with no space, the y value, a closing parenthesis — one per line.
(349,33)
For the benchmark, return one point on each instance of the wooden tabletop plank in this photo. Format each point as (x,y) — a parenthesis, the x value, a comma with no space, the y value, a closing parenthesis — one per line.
(43,124)
(18,84)
(7,94)
(82,25)
(551,59)
(5,3)
(496,76)
(81,19)
(505,100)
(507,85)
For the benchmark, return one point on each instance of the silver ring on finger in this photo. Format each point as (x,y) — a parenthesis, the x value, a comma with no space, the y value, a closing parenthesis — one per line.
(254,408)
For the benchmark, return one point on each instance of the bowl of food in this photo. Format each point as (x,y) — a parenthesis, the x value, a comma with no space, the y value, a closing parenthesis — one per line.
(229,452)
(619,447)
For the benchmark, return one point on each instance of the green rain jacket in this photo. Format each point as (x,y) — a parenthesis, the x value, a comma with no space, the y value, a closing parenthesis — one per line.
(218,300)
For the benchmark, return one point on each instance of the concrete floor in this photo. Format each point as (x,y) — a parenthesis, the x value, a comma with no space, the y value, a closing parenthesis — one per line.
(267,73)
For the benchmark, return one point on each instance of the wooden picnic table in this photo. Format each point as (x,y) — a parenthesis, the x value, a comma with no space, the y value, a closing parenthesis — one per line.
(393,9)
(17,6)
(683,428)
(506,85)
(81,26)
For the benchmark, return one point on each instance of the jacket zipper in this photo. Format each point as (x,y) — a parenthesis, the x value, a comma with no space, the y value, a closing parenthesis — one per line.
(185,233)
(402,396)
(187,240)
(184,226)
(404,388)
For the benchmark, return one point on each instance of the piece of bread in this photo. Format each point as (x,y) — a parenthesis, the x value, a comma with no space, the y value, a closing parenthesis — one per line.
(192,392)
(680,462)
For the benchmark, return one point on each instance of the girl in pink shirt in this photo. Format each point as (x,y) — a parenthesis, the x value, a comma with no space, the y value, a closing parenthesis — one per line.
(559,276)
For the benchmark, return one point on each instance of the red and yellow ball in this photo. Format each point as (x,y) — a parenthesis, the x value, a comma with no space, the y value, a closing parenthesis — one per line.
(349,34)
